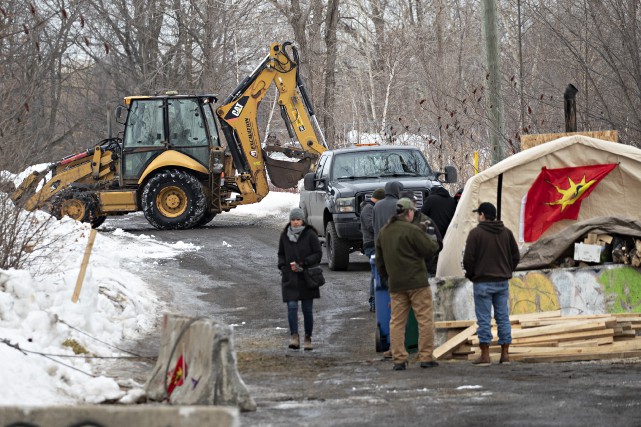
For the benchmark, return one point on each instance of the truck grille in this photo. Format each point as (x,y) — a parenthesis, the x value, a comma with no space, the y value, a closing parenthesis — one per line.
(362,197)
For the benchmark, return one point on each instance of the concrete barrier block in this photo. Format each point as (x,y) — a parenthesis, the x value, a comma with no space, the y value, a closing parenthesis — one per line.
(120,416)
(197,365)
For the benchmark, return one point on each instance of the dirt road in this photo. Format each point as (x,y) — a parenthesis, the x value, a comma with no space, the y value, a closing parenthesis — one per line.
(343,381)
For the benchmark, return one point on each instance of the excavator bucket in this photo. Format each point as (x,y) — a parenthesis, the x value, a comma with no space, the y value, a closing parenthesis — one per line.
(286,174)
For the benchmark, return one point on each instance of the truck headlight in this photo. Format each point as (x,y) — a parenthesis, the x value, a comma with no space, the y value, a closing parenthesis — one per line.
(345,204)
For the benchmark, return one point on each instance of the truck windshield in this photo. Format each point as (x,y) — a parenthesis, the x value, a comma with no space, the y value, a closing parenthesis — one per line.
(374,164)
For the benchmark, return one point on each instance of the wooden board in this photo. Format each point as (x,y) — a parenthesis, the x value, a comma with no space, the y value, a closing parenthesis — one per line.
(454,342)
(578,357)
(569,336)
(448,324)
(574,326)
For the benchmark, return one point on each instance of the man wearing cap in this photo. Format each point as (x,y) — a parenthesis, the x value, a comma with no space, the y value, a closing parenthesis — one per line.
(425,223)
(367,229)
(491,255)
(402,250)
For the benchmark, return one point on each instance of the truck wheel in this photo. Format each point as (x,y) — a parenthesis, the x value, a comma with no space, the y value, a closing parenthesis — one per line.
(337,249)
(173,200)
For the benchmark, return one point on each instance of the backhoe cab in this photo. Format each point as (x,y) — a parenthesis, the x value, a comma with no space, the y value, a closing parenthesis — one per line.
(171,163)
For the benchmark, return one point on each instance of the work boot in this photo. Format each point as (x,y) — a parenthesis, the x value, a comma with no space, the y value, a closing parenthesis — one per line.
(387,354)
(505,356)
(400,366)
(484,359)
(308,343)
(294,342)
(432,364)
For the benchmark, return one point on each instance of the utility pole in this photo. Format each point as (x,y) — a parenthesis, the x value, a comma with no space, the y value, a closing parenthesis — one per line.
(495,99)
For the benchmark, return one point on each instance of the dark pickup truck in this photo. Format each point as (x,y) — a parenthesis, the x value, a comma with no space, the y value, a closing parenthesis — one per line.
(344,178)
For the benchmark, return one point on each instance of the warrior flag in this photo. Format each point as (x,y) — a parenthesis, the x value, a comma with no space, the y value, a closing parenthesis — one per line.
(177,377)
(556,194)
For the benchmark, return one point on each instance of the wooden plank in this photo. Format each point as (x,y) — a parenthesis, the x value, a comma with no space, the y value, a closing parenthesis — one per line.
(529,141)
(451,333)
(533,316)
(570,336)
(573,326)
(447,324)
(577,357)
(567,331)
(454,342)
(626,333)
(588,343)
(626,315)
(83,266)
(555,321)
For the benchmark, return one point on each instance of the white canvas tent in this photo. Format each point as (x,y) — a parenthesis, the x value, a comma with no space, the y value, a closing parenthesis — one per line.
(618,195)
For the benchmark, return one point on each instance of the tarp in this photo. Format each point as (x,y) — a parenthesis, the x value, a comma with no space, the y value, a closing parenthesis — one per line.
(618,195)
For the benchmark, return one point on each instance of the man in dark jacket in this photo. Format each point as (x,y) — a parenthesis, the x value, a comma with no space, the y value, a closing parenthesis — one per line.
(367,229)
(402,250)
(491,255)
(439,206)
(386,208)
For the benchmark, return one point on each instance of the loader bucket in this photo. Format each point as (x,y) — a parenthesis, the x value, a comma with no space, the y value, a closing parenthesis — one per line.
(285,174)
(27,189)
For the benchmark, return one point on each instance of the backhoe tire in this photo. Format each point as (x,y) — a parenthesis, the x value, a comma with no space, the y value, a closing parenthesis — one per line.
(337,249)
(207,218)
(76,204)
(98,221)
(173,200)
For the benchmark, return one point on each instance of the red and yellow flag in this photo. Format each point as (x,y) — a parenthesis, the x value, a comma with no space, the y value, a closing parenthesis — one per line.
(176,378)
(556,194)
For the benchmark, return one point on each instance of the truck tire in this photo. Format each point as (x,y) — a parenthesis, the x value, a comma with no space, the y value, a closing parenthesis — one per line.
(337,249)
(173,200)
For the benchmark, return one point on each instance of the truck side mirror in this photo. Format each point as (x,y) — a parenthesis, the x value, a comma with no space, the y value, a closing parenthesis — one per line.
(308,181)
(451,175)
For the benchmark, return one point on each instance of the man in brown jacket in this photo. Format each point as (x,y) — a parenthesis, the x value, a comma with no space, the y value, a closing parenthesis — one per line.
(491,255)
(401,251)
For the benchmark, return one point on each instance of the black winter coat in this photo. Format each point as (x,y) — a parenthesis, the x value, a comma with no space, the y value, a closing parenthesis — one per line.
(307,252)
(440,206)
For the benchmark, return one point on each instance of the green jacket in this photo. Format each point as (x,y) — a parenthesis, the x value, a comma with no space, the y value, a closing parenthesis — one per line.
(402,250)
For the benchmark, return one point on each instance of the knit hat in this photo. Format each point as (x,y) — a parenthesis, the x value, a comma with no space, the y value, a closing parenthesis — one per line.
(296,213)
(487,209)
(378,194)
(403,205)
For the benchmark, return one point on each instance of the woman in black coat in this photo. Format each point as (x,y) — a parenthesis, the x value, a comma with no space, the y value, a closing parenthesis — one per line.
(298,249)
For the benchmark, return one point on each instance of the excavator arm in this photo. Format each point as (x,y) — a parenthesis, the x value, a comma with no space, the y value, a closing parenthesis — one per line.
(238,120)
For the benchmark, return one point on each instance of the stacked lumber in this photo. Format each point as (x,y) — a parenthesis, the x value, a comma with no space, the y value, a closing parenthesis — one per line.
(550,337)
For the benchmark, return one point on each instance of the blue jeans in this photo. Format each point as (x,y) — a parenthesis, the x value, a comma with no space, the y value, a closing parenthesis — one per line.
(486,296)
(308,316)
(368,253)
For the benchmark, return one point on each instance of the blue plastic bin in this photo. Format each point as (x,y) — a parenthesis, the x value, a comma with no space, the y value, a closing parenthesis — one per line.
(383,315)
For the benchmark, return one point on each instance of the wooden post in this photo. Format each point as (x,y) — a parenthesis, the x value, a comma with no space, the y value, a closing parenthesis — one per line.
(83,266)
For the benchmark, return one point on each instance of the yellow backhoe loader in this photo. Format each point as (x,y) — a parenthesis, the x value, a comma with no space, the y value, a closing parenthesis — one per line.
(171,162)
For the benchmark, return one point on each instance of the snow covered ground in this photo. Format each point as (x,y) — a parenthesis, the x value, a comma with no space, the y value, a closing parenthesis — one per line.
(40,325)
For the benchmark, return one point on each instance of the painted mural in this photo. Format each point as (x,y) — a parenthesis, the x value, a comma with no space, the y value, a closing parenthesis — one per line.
(594,290)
